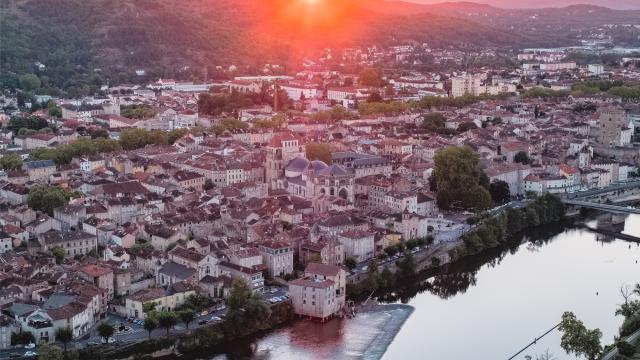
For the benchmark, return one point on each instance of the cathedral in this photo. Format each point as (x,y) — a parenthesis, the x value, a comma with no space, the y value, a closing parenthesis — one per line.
(312,179)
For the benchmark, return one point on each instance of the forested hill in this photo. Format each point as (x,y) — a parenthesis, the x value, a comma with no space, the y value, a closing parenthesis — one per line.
(83,43)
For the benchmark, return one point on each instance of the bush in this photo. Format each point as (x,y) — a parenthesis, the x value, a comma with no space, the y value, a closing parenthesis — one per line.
(626,349)
(630,325)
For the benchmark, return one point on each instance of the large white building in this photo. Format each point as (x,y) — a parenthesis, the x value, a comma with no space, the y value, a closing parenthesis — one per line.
(467,84)
(320,293)
(277,257)
(358,244)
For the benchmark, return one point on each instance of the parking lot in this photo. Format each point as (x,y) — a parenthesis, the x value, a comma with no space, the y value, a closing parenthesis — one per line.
(275,295)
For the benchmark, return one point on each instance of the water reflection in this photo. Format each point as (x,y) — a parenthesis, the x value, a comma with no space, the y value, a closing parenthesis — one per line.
(457,278)
(493,303)
(497,302)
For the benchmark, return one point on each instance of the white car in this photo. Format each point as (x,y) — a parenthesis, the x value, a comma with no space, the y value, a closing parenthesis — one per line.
(30,346)
(30,354)
(215,318)
(108,341)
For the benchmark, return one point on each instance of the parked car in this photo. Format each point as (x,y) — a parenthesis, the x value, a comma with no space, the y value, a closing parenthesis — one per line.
(30,354)
(93,343)
(215,318)
(30,346)
(109,341)
(203,322)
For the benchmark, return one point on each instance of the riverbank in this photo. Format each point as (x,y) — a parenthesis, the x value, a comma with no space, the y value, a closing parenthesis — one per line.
(489,231)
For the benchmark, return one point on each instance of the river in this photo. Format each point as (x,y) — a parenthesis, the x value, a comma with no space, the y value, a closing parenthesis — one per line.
(487,307)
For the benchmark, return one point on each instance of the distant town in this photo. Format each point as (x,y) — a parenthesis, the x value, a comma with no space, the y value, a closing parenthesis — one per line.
(166,208)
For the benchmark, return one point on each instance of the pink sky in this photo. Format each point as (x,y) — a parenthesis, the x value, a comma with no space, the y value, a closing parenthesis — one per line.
(616,4)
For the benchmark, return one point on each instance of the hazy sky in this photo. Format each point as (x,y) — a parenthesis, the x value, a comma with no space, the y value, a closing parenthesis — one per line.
(617,4)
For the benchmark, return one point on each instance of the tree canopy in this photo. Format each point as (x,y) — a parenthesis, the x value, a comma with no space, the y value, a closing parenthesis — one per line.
(435,122)
(370,77)
(106,330)
(47,198)
(500,192)
(137,111)
(460,181)
(11,162)
(245,309)
(319,151)
(579,340)
(522,158)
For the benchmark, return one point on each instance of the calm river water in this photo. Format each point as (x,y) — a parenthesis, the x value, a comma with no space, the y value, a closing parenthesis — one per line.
(486,308)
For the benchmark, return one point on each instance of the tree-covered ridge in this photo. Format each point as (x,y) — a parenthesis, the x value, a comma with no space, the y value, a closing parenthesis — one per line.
(84,44)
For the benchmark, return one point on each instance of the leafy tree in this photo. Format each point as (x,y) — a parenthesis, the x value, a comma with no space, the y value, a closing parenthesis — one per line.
(11,162)
(499,192)
(26,132)
(59,253)
(217,104)
(545,93)
(350,263)
(149,306)
(197,302)
(577,339)
(467,126)
(433,121)
(459,179)
(176,134)
(150,324)
(31,122)
(47,198)
(131,139)
(54,110)
(140,247)
(246,310)
(522,158)
(22,338)
(626,349)
(229,124)
(64,335)
(106,330)
(29,82)
(387,279)
(50,352)
(319,151)
(336,113)
(208,184)
(186,316)
(369,77)
(100,133)
(407,265)
(137,111)
(386,108)
(374,97)
(167,320)
(315,258)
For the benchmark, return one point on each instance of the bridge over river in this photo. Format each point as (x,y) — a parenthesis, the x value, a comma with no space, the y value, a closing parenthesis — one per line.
(603,207)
